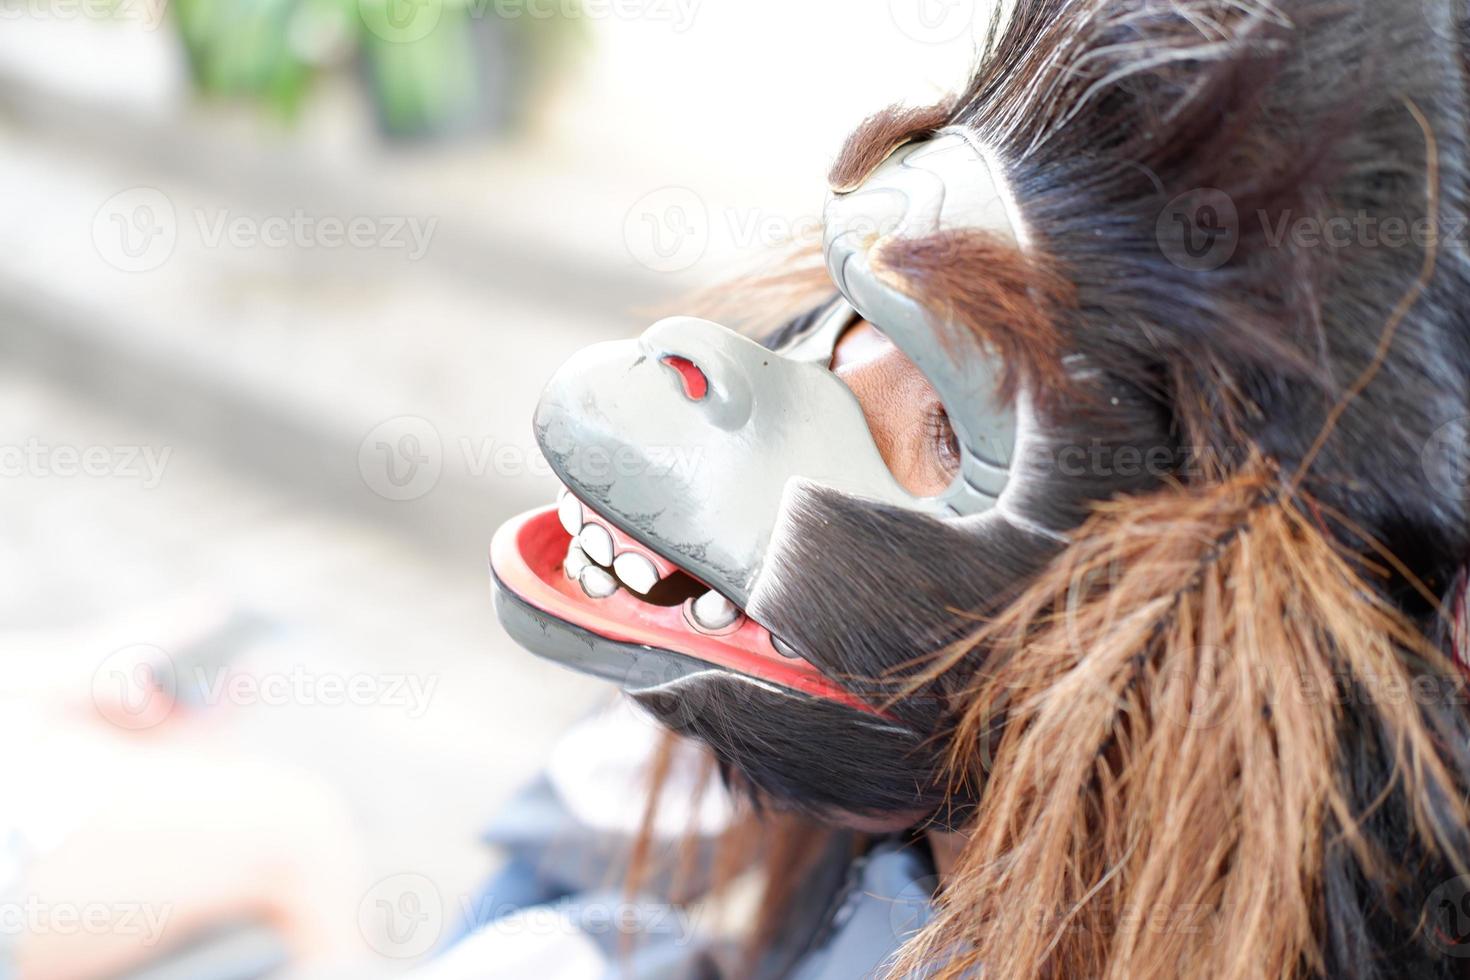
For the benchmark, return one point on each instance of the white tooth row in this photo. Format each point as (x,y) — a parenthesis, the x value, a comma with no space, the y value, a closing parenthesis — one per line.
(590,555)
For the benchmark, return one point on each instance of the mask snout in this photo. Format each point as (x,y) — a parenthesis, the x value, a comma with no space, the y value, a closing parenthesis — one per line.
(687,437)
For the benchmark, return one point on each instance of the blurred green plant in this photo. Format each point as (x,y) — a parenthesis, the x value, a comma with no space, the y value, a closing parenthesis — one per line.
(432,67)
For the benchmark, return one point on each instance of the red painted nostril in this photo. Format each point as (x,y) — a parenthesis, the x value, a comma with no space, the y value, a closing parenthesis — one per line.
(696,385)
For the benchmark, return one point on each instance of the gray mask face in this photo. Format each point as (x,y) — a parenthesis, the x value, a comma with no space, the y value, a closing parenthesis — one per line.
(693,438)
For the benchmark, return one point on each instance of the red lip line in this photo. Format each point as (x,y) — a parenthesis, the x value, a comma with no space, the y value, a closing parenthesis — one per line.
(526,556)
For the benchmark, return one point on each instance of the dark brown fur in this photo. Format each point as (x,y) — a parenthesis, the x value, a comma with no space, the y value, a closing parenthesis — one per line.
(878,136)
(1014,306)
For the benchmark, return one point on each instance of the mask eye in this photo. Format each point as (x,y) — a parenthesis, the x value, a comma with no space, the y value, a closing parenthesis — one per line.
(943,442)
(905,416)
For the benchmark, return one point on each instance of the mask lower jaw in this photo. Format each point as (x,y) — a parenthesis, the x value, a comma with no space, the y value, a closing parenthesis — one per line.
(636,644)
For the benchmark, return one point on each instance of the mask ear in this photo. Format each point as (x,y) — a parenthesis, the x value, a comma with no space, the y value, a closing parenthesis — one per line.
(931,246)
(878,136)
(1006,316)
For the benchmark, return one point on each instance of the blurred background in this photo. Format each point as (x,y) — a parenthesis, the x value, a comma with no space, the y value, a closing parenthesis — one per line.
(279,283)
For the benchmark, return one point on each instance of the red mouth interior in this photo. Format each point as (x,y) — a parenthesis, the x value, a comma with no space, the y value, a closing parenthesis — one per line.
(527,556)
